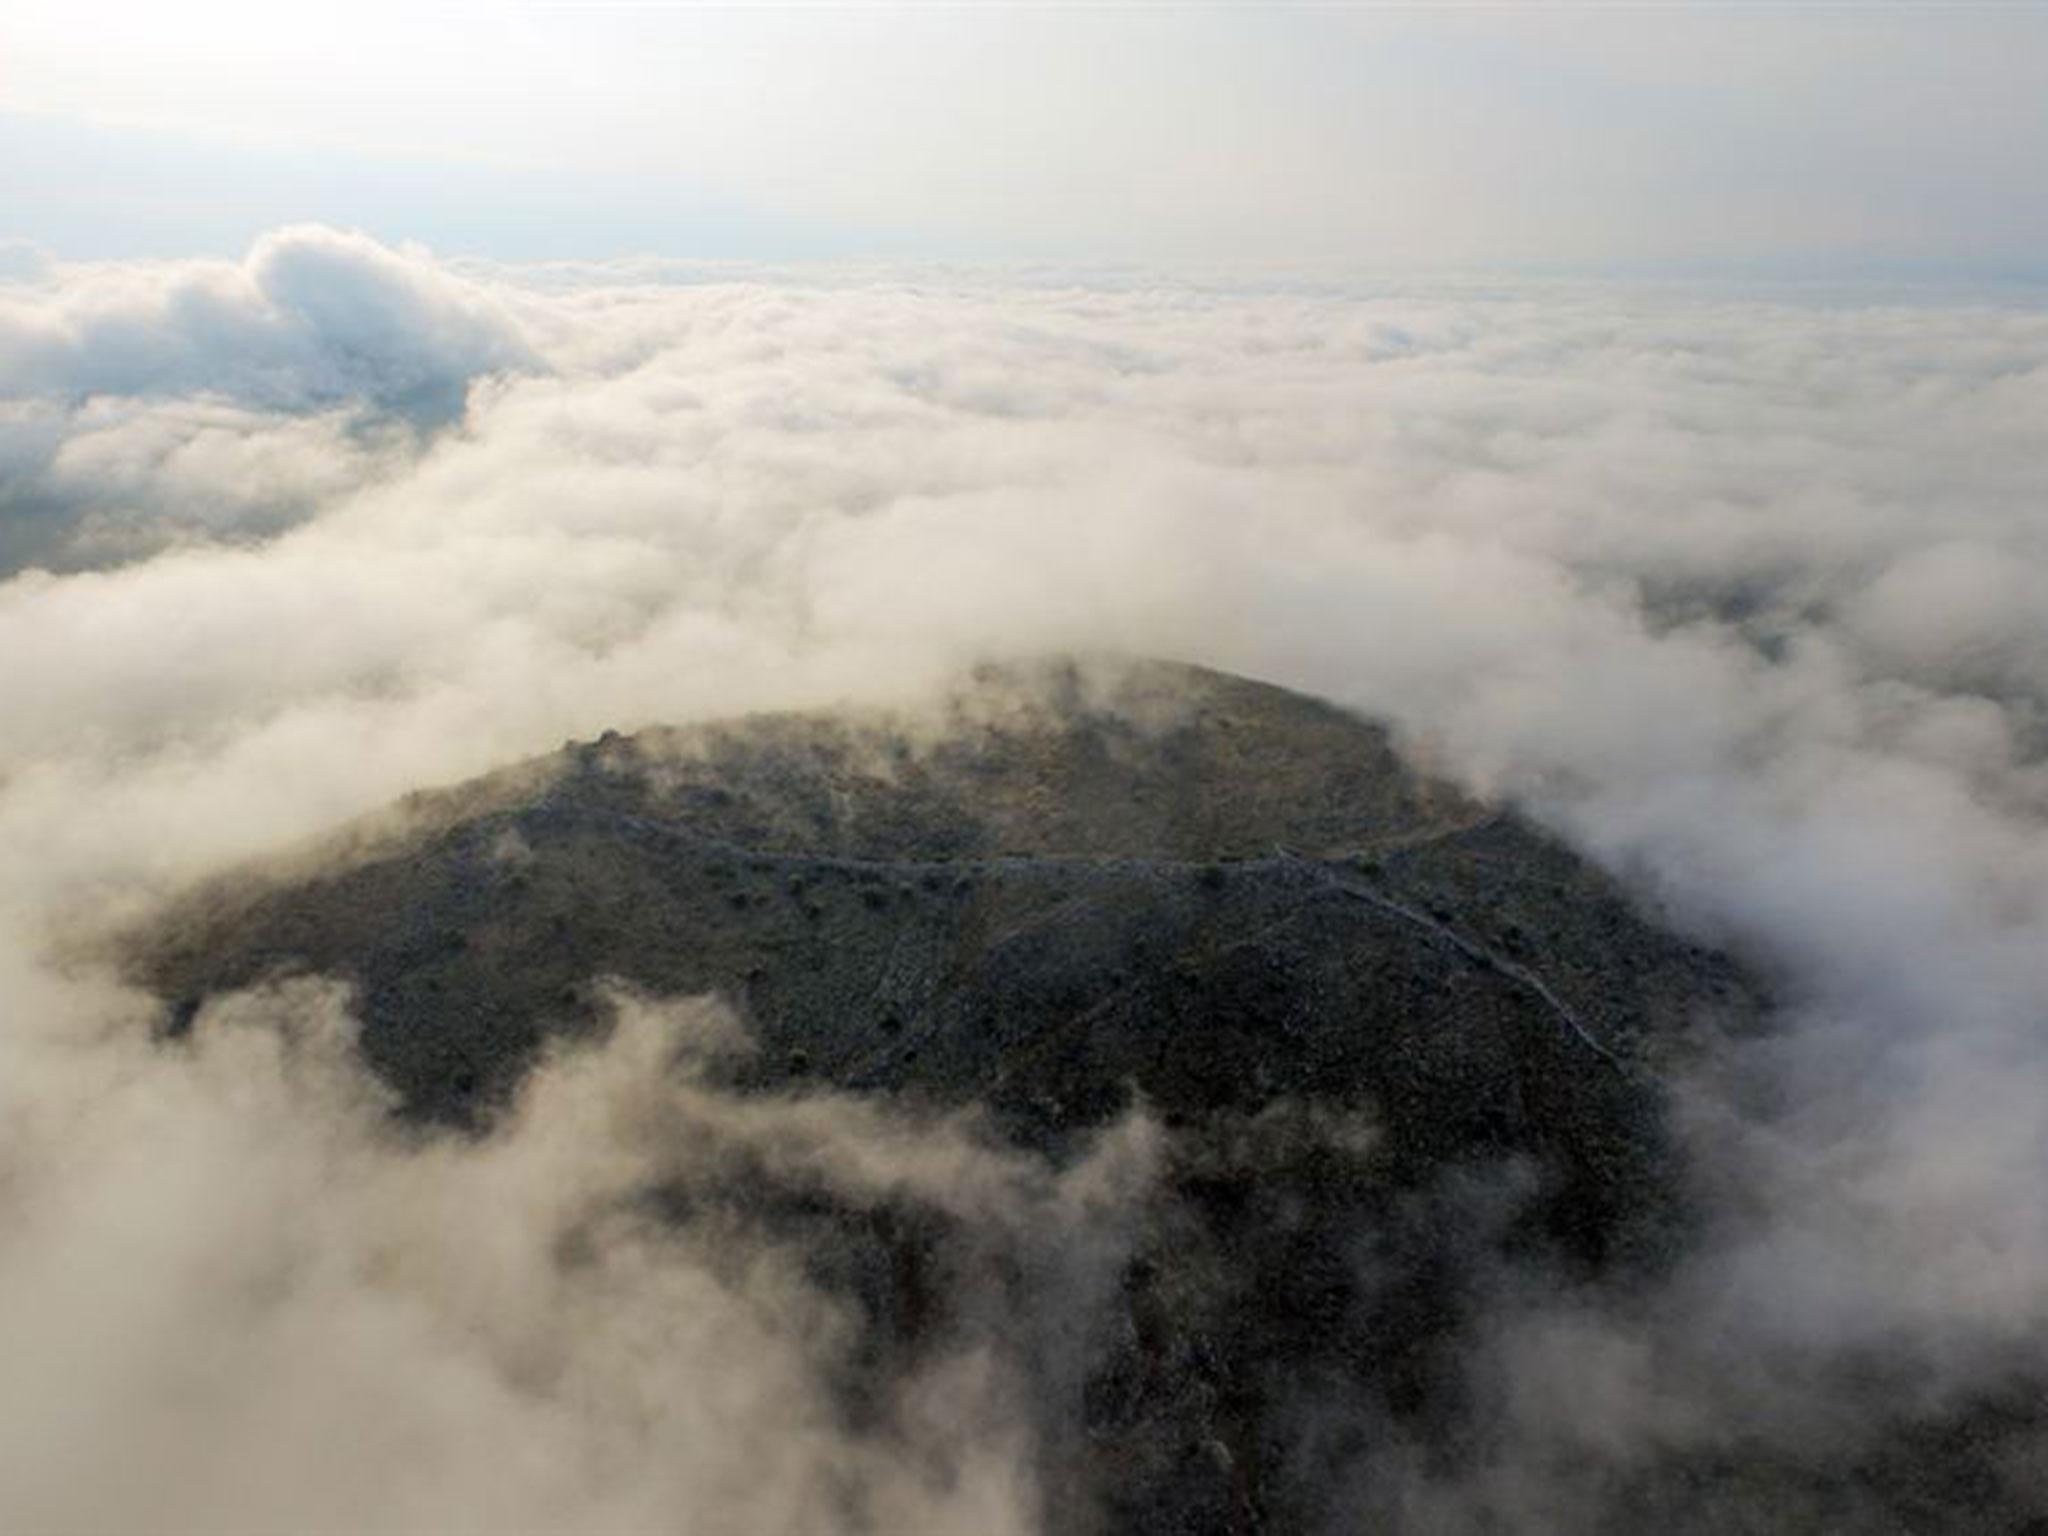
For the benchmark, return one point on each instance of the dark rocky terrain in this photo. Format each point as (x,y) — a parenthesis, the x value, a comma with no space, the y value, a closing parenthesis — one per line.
(1400,1040)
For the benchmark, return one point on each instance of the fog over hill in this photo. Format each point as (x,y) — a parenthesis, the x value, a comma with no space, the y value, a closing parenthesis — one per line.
(483,1162)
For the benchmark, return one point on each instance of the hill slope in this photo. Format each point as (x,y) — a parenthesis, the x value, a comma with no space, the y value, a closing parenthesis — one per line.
(1064,891)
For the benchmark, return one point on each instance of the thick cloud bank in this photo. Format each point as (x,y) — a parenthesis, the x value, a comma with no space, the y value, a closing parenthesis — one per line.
(311,317)
(1745,596)
(140,408)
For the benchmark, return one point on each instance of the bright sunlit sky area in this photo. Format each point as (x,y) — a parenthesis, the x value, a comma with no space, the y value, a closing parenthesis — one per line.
(1728,137)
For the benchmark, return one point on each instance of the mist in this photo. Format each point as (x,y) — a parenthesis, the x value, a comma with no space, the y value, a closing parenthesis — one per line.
(1743,596)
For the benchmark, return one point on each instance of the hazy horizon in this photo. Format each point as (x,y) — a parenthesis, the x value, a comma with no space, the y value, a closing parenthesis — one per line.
(1724,138)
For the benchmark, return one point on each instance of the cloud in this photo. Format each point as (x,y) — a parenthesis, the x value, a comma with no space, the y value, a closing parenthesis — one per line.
(249,1304)
(115,479)
(1740,595)
(23,261)
(311,317)
(146,407)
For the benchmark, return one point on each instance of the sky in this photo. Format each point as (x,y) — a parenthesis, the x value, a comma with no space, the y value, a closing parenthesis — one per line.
(1807,140)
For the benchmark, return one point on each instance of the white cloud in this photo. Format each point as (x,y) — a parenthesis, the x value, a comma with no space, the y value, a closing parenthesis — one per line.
(313,317)
(1743,595)
(246,1304)
(22,261)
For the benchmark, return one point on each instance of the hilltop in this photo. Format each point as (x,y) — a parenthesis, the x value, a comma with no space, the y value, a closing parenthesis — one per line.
(1352,994)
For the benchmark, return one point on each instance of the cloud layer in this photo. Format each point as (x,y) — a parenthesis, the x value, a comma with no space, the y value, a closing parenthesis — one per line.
(1745,596)
(312,316)
(210,400)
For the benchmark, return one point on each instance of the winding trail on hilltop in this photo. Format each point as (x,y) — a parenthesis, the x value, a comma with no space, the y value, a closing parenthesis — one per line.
(1283,859)
(1478,954)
